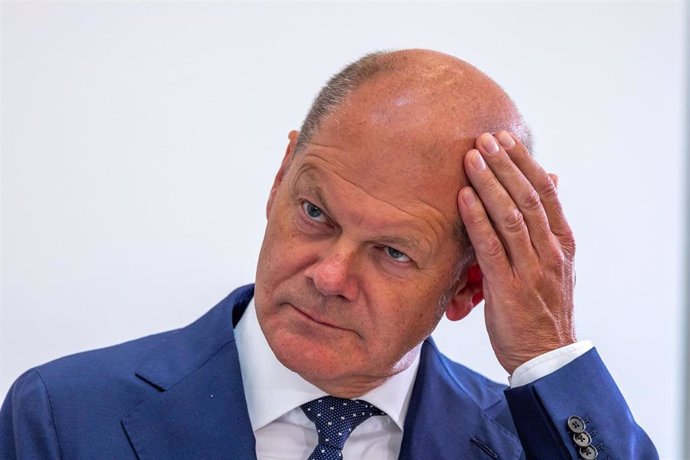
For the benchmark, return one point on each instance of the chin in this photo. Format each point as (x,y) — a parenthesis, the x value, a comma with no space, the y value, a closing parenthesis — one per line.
(316,363)
(301,355)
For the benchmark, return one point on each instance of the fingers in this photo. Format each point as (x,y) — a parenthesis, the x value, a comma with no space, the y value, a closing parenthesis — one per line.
(487,245)
(532,190)
(554,178)
(501,210)
(522,196)
(543,183)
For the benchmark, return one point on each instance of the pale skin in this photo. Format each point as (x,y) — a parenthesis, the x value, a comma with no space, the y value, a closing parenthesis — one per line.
(360,243)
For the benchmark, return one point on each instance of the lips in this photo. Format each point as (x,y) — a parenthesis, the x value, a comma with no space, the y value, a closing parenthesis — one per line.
(316,320)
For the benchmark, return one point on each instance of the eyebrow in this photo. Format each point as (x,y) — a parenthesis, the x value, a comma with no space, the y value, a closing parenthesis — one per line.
(308,175)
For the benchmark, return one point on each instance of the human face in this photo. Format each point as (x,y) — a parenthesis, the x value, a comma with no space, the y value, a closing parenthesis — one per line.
(358,251)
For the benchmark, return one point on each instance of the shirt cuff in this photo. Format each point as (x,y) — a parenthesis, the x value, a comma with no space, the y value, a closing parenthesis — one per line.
(545,364)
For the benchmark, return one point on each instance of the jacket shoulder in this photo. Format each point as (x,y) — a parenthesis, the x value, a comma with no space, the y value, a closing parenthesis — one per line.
(483,391)
(115,366)
(41,415)
(105,366)
(73,407)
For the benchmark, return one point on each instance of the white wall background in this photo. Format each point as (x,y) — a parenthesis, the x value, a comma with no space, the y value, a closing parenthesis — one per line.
(139,141)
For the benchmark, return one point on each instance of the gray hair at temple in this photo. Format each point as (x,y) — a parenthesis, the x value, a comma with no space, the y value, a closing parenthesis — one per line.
(338,87)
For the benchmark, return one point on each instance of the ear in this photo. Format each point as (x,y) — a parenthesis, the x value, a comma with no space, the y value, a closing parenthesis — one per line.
(289,152)
(467,295)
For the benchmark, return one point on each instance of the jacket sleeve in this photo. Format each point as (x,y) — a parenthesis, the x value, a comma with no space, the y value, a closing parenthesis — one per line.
(577,412)
(27,427)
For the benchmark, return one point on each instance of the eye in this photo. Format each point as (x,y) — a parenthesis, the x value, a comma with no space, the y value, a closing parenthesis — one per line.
(313,212)
(396,255)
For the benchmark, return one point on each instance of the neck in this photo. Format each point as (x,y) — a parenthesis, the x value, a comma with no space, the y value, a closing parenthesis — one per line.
(349,391)
(356,386)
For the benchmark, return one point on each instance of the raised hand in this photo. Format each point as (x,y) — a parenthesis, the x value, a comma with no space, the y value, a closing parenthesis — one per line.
(524,248)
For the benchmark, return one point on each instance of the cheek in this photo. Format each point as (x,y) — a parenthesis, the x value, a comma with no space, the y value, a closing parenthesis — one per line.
(400,315)
(283,252)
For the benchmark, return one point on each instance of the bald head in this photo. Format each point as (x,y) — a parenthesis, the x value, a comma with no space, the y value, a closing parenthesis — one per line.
(453,89)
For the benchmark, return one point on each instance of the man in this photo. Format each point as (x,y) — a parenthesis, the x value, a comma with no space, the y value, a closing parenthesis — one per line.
(393,205)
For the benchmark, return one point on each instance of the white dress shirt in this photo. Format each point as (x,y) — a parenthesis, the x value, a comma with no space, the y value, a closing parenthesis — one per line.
(274,395)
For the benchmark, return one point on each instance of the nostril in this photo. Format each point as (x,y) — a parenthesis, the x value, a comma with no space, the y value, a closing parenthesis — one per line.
(331,278)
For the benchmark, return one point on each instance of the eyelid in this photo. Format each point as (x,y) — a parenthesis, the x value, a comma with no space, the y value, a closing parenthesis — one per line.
(392,243)
(304,202)
(407,257)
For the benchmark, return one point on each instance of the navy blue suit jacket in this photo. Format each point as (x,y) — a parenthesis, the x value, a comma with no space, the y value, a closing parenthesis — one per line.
(179,395)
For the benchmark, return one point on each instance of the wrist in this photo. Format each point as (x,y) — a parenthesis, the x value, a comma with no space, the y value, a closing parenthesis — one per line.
(544,364)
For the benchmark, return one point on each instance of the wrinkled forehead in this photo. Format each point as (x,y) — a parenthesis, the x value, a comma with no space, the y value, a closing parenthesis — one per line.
(391,165)
(404,133)
(388,169)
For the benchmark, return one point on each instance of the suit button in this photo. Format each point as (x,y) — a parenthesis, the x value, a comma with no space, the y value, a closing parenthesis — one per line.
(582,439)
(589,452)
(576,424)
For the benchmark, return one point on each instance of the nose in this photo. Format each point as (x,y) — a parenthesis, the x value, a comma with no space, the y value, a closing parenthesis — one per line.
(333,273)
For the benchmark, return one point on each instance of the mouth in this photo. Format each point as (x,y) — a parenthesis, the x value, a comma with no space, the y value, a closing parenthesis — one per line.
(315,320)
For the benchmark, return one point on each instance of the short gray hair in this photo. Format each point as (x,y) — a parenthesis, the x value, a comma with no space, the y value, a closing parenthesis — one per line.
(338,87)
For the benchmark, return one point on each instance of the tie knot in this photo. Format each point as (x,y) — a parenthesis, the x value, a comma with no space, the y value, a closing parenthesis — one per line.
(335,418)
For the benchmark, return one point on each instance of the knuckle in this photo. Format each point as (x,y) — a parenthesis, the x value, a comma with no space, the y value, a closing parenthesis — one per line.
(548,188)
(514,221)
(558,259)
(504,165)
(478,219)
(493,187)
(531,201)
(568,242)
(493,248)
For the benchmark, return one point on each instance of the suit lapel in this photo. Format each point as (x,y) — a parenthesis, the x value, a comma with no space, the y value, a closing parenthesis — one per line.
(444,420)
(199,408)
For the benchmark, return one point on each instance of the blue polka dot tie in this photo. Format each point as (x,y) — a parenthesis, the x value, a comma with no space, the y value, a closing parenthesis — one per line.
(335,418)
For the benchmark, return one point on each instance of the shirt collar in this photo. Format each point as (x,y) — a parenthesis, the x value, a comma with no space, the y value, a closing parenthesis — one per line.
(272,390)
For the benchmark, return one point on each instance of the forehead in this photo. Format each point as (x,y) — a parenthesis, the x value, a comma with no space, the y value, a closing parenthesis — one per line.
(366,211)
(383,172)
(347,202)
(397,145)
(382,185)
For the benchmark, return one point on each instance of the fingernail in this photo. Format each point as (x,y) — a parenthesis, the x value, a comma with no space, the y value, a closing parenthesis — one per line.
(477,160)
(554,178)
(490,144)
(505,139)
(468,196)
